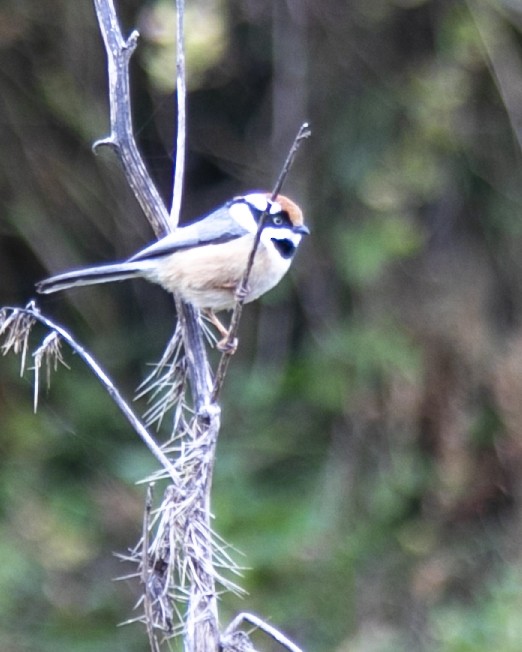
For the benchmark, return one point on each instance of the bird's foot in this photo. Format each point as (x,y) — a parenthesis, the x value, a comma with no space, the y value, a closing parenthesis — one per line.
(228,344)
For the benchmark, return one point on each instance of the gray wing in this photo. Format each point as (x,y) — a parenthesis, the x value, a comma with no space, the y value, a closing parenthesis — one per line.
(215,228)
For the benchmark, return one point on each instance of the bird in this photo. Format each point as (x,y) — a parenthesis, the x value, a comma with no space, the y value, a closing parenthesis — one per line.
(203,262)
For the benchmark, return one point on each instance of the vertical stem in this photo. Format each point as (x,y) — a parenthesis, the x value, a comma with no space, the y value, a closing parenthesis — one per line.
(202,628)
(198,366)
(181,94)
(202,633)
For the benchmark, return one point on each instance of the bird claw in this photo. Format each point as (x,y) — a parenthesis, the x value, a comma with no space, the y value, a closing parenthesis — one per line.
(228,345)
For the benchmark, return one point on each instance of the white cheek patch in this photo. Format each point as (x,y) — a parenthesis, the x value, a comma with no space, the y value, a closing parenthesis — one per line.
(242,214)
(269,233)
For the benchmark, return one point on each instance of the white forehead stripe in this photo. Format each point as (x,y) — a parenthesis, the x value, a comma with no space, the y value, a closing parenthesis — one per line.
(260,201)
(257,200)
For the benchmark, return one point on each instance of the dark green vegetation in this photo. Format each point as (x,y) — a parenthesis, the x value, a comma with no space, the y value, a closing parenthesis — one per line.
(370,456)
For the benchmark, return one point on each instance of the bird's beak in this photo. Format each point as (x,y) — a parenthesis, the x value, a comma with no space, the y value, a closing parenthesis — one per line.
(302,230)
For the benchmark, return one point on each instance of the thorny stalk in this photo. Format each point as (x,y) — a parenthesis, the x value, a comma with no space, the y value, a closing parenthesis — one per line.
(165,385)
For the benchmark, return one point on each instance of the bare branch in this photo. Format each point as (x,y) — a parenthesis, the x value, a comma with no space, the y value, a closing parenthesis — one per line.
(32,313)
(179,169)
(303,133)
(121,139)
(197,361)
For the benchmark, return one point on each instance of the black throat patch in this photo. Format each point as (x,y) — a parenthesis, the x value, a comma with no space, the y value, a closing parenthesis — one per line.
(285,247)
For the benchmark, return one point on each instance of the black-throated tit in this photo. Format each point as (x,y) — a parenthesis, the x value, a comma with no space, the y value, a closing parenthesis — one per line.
(204,261)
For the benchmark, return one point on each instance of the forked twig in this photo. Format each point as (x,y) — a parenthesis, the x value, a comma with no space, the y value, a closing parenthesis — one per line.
(233,629)
(119,52)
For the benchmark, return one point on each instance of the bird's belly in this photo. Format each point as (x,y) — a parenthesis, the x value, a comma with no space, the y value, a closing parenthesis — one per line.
(208,277)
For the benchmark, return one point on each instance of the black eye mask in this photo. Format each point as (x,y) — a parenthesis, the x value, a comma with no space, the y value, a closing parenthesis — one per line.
(269,219)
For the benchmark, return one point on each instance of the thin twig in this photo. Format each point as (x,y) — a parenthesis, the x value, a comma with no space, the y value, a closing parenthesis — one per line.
(179,169)
(303,133)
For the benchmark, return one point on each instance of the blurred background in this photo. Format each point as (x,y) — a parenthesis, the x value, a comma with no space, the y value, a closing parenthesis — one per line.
(369,460)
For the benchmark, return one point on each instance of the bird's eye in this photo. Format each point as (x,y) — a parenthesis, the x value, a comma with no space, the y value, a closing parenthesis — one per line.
(277,220)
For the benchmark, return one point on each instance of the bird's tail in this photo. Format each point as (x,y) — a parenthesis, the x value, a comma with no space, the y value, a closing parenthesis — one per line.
(90,276)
